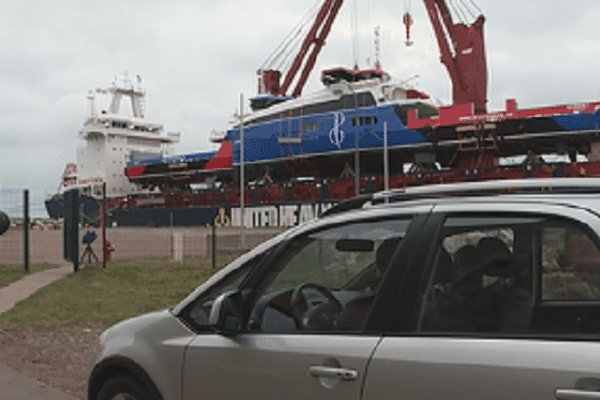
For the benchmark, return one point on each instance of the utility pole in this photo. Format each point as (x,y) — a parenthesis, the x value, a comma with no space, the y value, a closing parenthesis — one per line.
(242,177)
(386,162)
(26,224)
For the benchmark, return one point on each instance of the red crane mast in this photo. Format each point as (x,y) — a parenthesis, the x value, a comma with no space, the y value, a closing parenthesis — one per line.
(461,46)
(463,53)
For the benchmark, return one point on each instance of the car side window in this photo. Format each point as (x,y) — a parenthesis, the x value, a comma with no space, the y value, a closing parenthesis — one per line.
(513,274)
(480,280)
(326,280)
(570,264)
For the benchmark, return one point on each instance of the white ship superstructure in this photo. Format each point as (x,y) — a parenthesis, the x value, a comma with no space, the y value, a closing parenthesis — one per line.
(112,139)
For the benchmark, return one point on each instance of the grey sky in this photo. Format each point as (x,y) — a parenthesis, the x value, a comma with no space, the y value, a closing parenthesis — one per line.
(197,56)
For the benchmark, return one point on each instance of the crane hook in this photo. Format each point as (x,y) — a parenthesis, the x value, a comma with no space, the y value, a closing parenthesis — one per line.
(408,21)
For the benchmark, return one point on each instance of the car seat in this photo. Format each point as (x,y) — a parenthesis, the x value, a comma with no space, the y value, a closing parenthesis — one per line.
(513,302)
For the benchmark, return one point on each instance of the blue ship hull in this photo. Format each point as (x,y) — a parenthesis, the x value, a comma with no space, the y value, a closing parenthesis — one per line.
(322,134)
(55,207)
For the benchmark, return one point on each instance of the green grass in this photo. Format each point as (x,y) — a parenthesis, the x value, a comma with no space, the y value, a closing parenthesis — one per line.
(124,289)
(13,272)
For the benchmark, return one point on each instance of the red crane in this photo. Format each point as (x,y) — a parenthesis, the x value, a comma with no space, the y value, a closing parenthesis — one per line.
(463,54)
(461,46)
(269,79)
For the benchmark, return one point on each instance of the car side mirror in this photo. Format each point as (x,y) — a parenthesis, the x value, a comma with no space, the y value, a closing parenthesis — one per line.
(226,314)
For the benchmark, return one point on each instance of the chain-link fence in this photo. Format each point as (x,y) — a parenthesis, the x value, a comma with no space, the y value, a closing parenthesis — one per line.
(165,233)
(11,242)
(43,242)
(11,246)
(176,242)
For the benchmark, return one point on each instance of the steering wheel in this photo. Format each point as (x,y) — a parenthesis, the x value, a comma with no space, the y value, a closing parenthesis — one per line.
(319,317)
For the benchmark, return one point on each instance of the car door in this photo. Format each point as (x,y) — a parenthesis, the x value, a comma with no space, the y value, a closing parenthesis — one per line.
(304,334)
(509,309)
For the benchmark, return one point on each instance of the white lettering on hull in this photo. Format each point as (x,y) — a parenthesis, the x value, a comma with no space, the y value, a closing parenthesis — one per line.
(277,216)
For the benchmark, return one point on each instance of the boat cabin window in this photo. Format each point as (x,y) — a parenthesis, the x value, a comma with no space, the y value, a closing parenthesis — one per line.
(359,121)
(310,127)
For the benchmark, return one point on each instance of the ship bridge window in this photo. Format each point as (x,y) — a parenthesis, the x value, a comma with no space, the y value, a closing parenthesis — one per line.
(359,121)
(119,124)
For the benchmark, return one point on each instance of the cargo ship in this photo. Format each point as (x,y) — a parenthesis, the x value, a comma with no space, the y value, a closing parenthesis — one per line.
(295,155)
(111,139)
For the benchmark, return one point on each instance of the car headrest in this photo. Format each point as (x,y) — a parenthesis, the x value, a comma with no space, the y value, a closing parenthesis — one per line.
(496,258)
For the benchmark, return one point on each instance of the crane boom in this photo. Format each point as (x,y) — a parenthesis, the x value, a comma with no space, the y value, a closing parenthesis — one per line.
(316,37)
(269,79)
(463,53)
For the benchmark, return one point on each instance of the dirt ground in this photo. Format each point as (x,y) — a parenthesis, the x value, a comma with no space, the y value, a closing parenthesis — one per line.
(57,356)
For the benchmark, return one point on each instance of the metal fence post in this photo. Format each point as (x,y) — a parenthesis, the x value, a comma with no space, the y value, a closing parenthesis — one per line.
(214,243)
(103,223)
(71,228)
(26,230)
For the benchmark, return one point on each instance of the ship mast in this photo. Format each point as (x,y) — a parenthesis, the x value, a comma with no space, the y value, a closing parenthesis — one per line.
(124,87)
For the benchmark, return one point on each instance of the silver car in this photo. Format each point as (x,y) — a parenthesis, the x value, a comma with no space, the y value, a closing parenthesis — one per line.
(484,290)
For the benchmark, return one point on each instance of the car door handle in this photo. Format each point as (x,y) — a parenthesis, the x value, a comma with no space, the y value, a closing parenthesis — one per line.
(576,394)
(319,371)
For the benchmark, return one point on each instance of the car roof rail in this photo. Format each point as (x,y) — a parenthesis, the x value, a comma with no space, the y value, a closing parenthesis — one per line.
(346,205)
(470,189)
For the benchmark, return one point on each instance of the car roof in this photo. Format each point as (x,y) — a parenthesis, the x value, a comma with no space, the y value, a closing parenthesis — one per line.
(583,192)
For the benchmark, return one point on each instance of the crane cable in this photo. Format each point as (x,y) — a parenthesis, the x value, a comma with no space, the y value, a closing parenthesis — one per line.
(291,48)
(296,41)
(466,7)
(408,21)
(354,32)
(290,42)
(461,9)
(477,7)
(457,12)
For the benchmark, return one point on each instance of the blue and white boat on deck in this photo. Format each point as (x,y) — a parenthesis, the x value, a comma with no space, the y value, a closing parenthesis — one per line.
(317,134)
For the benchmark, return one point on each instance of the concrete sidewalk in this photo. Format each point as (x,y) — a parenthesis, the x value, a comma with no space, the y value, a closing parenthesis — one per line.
(14,385)
(29,284)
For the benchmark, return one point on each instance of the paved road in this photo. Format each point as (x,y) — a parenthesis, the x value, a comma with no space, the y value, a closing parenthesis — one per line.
(16,386)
